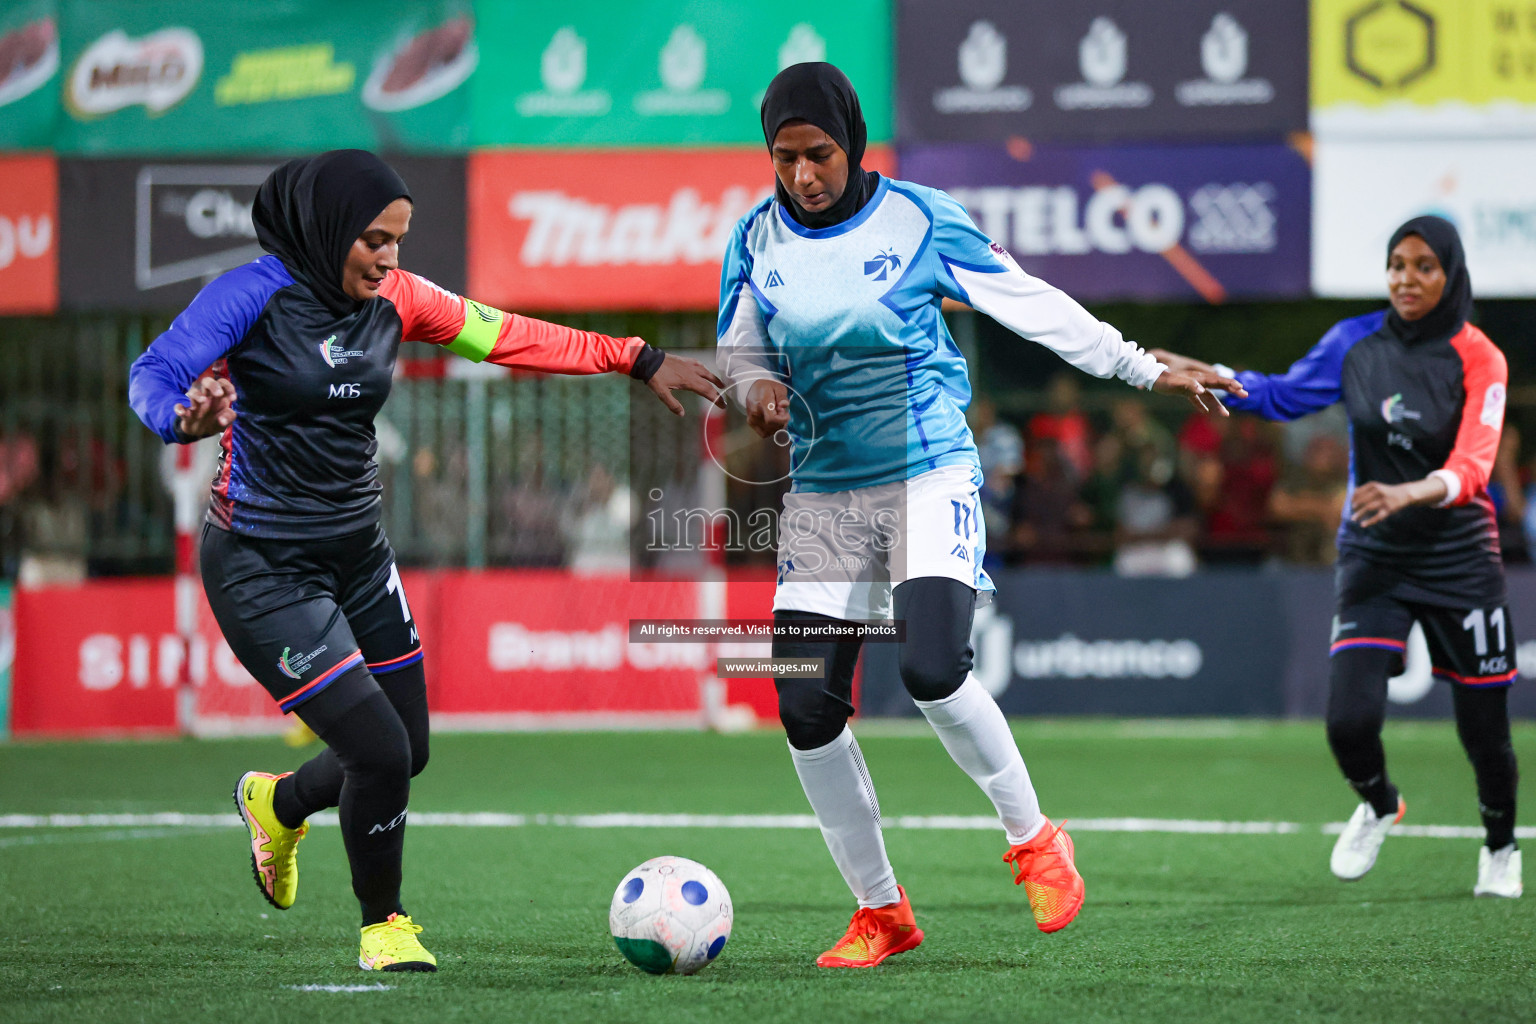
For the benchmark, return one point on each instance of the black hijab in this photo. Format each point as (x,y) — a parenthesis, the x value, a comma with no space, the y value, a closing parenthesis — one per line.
(309,212)
(820,94)
(1455,305)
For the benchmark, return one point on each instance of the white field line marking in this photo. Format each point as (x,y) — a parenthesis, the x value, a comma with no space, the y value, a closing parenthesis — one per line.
(169,820)
(375,987)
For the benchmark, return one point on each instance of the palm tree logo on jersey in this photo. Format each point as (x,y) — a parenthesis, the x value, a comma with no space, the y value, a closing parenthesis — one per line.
(884,262)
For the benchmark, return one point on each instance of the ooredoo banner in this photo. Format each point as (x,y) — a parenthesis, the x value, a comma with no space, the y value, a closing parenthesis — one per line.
(643,229)
(29,68)
(29,235)
(1065,70)
(1151,222)
(1407,69)
(186,76)
(1365,189)
(147,234)
(662,72)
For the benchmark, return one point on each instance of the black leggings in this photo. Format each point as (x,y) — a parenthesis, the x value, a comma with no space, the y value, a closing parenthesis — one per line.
(935,659)
(1357,706)
(374,747)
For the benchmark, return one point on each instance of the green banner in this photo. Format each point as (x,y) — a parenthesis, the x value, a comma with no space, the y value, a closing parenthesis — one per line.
(193,76)
(7,656)
(660,72)
(29,74)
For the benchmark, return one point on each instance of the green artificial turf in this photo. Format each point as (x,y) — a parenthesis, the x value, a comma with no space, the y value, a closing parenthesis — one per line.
(161,924)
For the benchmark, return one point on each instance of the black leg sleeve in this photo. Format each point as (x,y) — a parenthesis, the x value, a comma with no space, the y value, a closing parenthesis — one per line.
(1357,707)
(936,656)
(1482,722)
(814,711)
(406,689)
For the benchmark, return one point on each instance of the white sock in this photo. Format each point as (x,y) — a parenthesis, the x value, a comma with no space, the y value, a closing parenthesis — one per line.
(837,784)
(976,734)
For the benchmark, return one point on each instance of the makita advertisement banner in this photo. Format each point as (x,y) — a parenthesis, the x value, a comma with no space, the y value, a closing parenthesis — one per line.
(660,72)
(1152,222)
(1412,69)
(1068,70)
(187,76)
(29,235)
(29,69)
(610,230)
(1215,644)
(148,234)
(1366,188)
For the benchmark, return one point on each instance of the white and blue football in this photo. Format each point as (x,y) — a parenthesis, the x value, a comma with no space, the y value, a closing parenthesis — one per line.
(670,915)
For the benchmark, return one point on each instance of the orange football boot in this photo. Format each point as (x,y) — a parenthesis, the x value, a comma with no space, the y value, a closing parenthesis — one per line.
(874,934)
(1044,867)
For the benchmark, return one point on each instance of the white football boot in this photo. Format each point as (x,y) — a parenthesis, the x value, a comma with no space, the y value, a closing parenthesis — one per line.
(1498,872)
(1355,852)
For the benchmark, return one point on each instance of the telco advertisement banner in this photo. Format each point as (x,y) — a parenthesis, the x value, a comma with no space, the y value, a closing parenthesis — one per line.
(140,234)
(987,70)
(29,68)
(29,235)
(1407,68)
(604,230)
(1364,190)
(1155,222)
(1213,644)
(191,76)
(654,72)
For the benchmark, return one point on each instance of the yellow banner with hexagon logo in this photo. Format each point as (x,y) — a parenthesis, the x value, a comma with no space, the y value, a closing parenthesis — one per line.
(1401,67)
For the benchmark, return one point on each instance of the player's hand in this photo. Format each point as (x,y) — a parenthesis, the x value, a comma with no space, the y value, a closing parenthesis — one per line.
(767,407)
(1372,502)
(209,410)
(1178,363)
(1200,387)
(689,375)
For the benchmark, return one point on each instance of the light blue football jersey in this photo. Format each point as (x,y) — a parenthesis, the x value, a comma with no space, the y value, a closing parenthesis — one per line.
(848,317)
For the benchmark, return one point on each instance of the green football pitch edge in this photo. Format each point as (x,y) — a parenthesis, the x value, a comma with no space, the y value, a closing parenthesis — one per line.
(143,921)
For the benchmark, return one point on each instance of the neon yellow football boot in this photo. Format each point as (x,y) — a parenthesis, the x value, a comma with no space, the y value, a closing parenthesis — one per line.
(392,946)
(274,846)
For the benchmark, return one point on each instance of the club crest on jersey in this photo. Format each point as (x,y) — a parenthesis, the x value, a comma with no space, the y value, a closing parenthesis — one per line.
(1393,412)
(774,280)
(884,262)
(294,665)
(335,353)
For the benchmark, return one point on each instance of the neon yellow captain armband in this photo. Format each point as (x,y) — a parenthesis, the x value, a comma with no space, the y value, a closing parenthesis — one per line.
(482,326)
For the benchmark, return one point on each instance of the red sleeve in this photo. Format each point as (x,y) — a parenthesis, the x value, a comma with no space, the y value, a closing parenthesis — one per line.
(483,333)
(1484,375)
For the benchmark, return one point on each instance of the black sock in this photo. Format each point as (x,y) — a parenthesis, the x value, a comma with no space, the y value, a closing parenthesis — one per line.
(1357,706)
(315,787)
(1379,793)
(1482,723)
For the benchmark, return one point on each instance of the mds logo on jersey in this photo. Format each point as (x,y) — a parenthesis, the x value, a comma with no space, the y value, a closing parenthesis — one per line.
(345,391)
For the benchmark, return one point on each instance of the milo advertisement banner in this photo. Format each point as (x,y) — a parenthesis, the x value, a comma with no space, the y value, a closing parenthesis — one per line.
(658,72)
(29,71)
(194,77)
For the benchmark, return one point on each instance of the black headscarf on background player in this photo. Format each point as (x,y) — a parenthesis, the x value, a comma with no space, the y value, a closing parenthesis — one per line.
(1455,305)
(309,212)
(820,94)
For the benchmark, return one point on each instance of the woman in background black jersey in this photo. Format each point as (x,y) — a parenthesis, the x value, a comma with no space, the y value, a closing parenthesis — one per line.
(1424,391)
(296,567)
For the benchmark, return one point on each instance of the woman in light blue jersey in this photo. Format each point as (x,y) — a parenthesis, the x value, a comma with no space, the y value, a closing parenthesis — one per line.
(831,336)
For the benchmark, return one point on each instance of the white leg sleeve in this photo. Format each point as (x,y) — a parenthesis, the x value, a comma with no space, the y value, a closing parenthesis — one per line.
(976,734)
(838,787)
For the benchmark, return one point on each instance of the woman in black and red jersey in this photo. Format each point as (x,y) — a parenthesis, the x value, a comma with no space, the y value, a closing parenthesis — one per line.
(296,567)
(1424,390)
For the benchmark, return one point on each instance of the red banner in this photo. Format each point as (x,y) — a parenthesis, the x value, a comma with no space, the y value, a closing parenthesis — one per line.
(626,229)
(29,249)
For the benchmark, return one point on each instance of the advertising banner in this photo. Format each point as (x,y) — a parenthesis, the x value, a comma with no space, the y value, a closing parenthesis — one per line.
(658,72)
(1409,68)
(148,234)
(29,72)
(1064,70)
(607,230)
(29,235)
(186,76)
(1365,189)
(1152,222)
